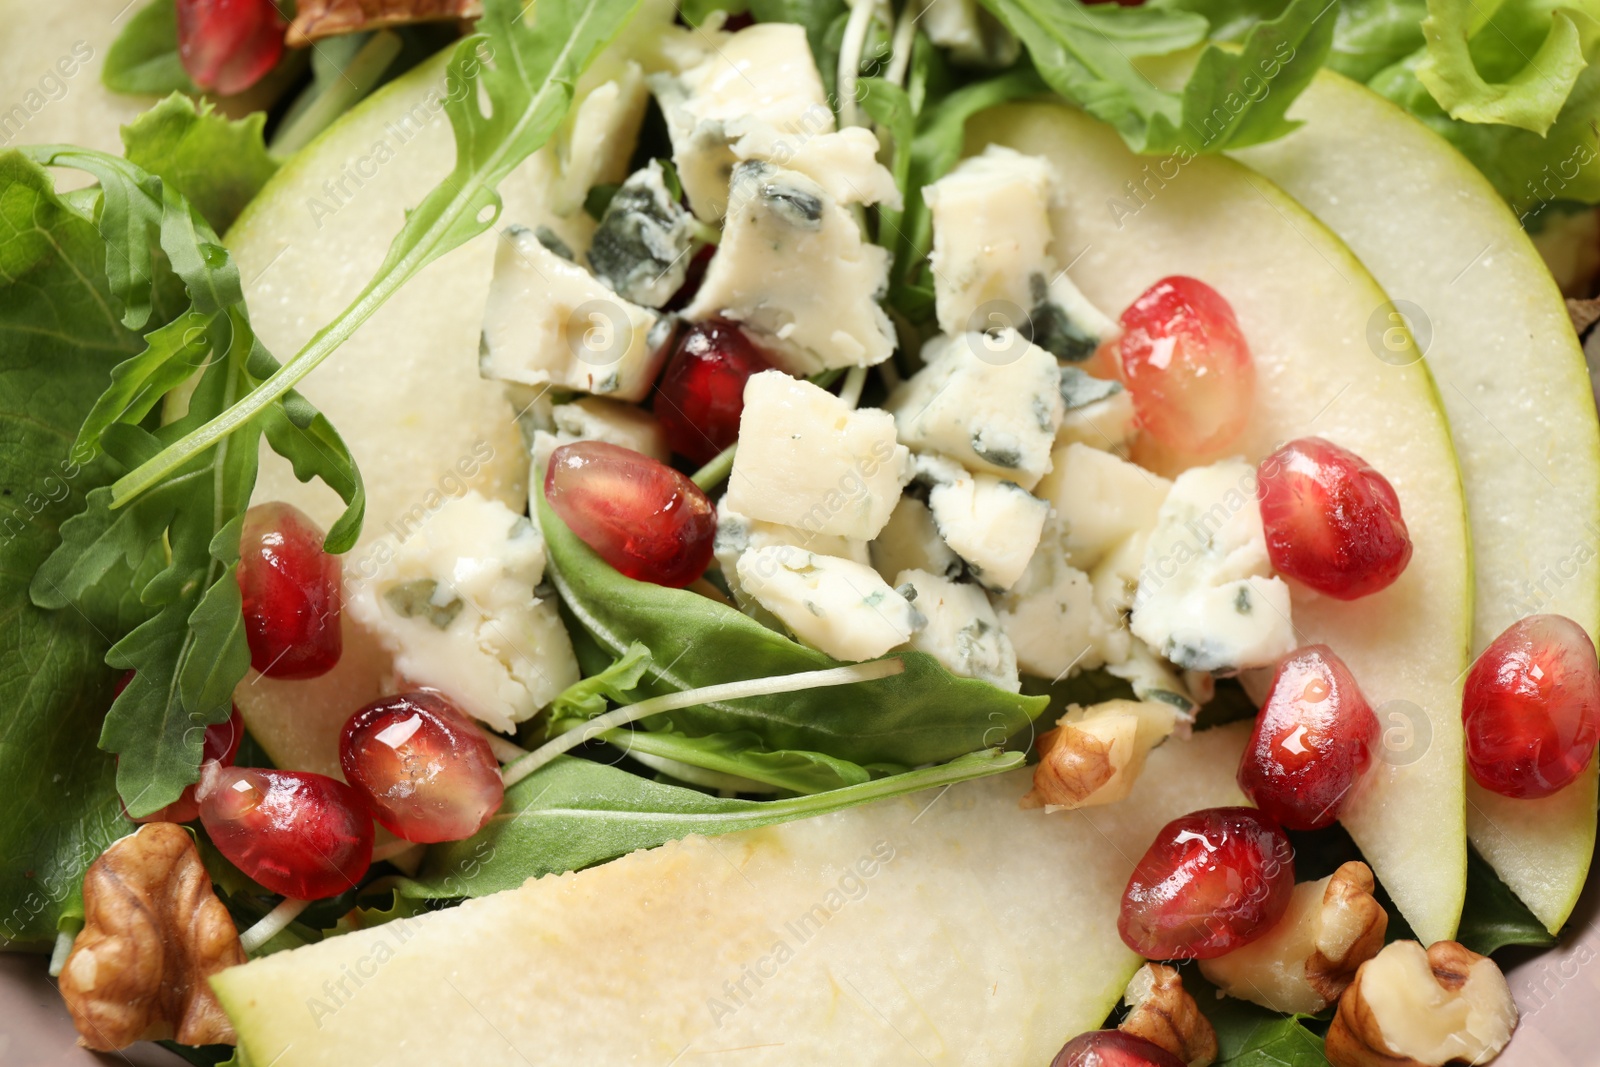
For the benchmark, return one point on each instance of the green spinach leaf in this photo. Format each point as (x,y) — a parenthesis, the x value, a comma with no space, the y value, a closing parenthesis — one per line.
(574,813)
(1249,1035)
(1492,917)
(923,715)
(144,57)
(742,755)
(217,164)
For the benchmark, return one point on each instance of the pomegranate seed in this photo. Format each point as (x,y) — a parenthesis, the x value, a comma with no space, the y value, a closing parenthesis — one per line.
(1212,881)
(1187,366)
(701,394)
(692,277)
(1532,708)
(221,743)
(642,517)
(228,45)
(291,593)
(1113,1048)
(1331,522)
(426,772)
(299,834)
(1312,740)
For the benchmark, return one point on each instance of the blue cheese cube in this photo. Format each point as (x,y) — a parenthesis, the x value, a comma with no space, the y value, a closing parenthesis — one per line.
(969,34)
(1098,412)
(991,402)
(596,140)
(1052,617)
(992,523)
(806,459)
(793,269)
(592,418)
(844,163)
(962,631)
(910,541)
(1207,598)
(642,246)
(738,534)
(1100,500)
(763,74)
(836,606)
(992,261)
(455,604)
(550,322)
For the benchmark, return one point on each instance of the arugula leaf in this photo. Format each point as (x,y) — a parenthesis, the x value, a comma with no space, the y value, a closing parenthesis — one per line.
(890,108)
(1231,100)
(144,57)
(923,715)
(1534,88)
(215,163)
(508,88)
(574,813)
(60,336)
(587,698)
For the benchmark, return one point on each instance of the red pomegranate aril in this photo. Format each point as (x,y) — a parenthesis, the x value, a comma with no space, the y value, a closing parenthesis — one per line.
(1211,881)
(693,277)
(299,834)
(1312,741)
(642,517)
(1531,708)
(1113,1048)
(227,46)
(291,591)
(425,771)
(701,394)
(1187,366)
(220,744)
(1331,521)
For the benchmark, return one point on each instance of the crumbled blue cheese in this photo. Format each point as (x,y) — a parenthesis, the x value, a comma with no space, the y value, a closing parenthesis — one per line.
(992,523)
(962,631)
(455,605)
(793,269)
(596,139)
(642,246)
(991,402)
(844,163)
(991,255)
(1052,618)
(1154,680)
(593,418)
(1207,599)
(910,541)
(550,322)
(737,534)
(763,75)
(1100,500)
(807,460)
(836,606)
(1099,413)
(969,34)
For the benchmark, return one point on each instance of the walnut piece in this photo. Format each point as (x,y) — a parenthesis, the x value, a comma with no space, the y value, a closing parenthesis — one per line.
(153,933)
(1163,1013)
(316,19)
(1410,1008)
(1307,959)
(1094,754)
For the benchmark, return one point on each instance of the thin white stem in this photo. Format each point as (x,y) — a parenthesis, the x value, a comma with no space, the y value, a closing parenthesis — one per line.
(905,35)
(272,923)
(850,391)
(58,958)
(850,49)
(711,694)
(504,751)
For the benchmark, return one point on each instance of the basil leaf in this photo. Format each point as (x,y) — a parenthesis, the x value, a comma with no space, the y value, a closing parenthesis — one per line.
(574,813)
(59,338)
(144,58)
(217,164)
(924,715)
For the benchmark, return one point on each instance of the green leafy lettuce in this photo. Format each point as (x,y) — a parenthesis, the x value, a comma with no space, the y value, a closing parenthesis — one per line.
(216,163)
(144,58)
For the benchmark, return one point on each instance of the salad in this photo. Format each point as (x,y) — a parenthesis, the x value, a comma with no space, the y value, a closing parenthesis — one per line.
(972,531)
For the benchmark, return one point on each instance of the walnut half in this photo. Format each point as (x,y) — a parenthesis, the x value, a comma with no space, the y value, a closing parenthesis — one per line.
(1307,959)
(1094,754)
(1163,1013)
(154,932)
(1410,1008)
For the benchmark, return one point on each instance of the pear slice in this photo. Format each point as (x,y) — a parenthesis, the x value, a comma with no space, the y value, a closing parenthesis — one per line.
(948,927)
(1435,233)
(1304,303)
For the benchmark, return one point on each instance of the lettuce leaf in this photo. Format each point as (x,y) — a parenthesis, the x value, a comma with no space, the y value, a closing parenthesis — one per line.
(218,164)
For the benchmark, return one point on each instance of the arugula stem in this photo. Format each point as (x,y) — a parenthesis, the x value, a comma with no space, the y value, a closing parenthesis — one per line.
(711,694)
(850,392)
(712,474)
(355,81)
(905,34)
(855,40)
(58,956)
(273,924)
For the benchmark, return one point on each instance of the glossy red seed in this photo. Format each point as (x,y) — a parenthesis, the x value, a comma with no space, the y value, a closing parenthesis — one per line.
(642,517)
(701,394)
(1331,521)
(220,743)
(1211,881)
(300,834)
(291,591)
(1113,1048)
(227,46)
(1313,740)
(1531,708)
(426,772)
(692,277)
(1187,367)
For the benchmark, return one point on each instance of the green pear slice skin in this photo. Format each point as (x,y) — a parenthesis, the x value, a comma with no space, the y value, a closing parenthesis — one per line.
(1434,232)
(948,928)
(1303,301)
